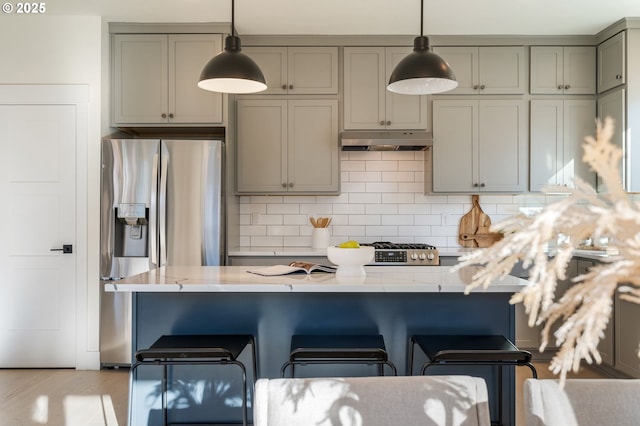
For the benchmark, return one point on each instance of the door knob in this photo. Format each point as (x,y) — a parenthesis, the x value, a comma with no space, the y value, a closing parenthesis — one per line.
(66,248)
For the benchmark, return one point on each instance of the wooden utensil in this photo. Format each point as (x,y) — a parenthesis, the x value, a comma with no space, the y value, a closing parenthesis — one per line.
(471,223)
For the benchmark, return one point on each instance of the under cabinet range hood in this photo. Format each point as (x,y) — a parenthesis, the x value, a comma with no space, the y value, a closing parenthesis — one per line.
(398,140)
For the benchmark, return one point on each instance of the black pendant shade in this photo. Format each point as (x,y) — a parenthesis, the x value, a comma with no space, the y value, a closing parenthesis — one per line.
(422,72)
(231,71)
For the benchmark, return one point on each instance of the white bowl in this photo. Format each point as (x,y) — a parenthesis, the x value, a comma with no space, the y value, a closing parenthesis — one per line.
(350,261)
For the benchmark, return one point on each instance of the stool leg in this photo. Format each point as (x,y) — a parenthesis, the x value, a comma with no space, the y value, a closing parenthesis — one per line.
(499,395)
(164,395)
(410,357)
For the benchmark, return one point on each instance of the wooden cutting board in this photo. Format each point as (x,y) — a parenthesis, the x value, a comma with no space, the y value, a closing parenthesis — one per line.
(474,227)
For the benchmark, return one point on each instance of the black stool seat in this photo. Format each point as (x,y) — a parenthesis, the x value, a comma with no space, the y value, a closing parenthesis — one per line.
(338,349)
(220,346)
(488,348)
(197,349)
(484,349)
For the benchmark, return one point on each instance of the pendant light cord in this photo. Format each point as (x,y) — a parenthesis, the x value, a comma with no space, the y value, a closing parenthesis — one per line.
(233,25)
(421,18)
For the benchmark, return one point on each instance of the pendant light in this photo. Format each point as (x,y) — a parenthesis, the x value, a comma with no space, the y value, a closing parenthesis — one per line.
(422,72)
(231,71)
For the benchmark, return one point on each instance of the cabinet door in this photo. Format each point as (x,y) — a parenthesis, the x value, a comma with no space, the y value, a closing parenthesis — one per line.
(364,96)
(140,89)
(273,64)
(502,70)
(188,54)
(578,124)
(455,138)
(547,70)
(464,63)
(613,105)
(313,151)
(579,70)
(262,146)
(606,345)
(611,62)
(312,70)
(546,143)
(502,146)
(627,336)
(402,111)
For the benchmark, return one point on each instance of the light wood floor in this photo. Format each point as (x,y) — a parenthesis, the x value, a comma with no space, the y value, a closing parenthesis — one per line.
(99,398)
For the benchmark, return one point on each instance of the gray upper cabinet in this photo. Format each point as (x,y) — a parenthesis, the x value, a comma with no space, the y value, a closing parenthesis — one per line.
(557,70)
(558,129)
(288,146)
(368,105)
(480,146)
(155,76)
(297,70)
(490,70)
(611,62)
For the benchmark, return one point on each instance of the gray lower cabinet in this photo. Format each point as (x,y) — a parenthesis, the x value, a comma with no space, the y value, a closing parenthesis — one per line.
(606,346)
(627,337)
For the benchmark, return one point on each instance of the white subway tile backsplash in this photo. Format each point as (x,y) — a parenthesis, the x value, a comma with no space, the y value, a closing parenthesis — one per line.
(381,208)
(362,219)
(364,197)
(398,176)
(396,219)
(388,166)
(382,187)
(368,176)
(397,197)
(382,198)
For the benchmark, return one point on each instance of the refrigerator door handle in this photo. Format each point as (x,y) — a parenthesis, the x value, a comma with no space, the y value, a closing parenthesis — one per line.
(153,214)
(162,211)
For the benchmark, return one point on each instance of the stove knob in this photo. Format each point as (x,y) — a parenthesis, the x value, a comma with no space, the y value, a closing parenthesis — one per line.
(414,256)
(431,256)
(422,256)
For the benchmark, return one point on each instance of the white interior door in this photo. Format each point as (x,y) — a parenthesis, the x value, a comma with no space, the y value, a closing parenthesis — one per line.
(37,189)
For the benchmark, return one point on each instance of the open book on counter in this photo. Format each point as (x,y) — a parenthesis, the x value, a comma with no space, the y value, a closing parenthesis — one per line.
(292,268)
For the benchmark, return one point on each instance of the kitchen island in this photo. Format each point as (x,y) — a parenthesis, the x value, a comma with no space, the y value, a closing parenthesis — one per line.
(393,301)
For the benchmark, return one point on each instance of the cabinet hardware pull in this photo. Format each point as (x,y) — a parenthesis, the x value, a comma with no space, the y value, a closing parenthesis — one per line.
(171,115)
(290,184)
(475,185)
(482,185)
(482,87)
(475,87)
(284,185)
(567,87)
(284,87)
(389,123)
(291,87)
(559,86)
(163,115)
(618,77)
(382,122)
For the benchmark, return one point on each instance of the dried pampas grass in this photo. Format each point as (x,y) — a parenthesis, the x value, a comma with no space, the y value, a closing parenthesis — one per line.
(585,309)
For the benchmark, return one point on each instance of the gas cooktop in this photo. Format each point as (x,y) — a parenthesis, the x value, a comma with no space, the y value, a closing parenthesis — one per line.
(405,254)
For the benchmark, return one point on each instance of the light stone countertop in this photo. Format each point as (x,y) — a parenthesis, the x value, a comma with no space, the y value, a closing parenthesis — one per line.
(378,279)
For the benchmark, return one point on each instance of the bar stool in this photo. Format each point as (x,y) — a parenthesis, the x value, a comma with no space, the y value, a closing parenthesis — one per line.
(338,349)
(494,350)
(197,350)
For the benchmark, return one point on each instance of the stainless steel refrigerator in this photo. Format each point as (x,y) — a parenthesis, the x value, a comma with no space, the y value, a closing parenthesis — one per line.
(161,204)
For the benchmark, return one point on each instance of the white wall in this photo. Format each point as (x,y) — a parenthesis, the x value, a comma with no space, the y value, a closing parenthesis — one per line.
(45,49)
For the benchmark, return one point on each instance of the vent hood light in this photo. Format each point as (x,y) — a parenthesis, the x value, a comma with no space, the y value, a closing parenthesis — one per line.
(385,141)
